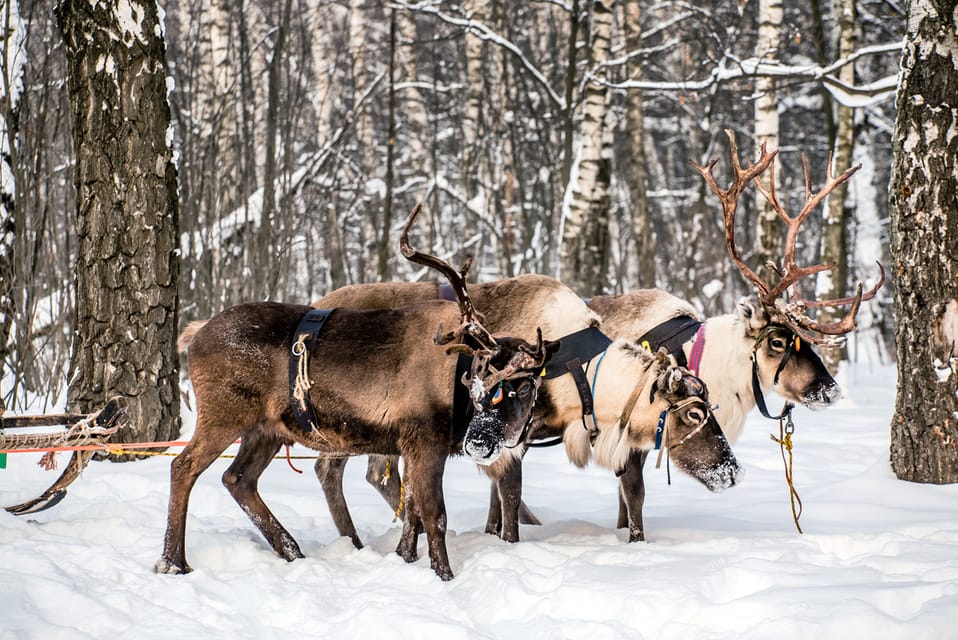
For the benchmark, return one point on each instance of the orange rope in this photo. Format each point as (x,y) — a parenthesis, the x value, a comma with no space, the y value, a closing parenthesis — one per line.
(106,446)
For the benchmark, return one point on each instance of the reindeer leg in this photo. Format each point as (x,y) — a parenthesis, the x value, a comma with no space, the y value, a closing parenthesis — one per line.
(387,486)
(242,481)
(411,527)
(632,494)
(329,470)
(510,493)
(425,469)
(494,519)
(195,458)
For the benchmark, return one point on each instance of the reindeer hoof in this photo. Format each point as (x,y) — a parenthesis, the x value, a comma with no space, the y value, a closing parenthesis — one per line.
(444,573)
(166,566)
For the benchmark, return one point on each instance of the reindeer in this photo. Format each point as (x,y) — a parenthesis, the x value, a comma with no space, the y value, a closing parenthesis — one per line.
(758,348)
(376,385)
(559,409)
(750,352)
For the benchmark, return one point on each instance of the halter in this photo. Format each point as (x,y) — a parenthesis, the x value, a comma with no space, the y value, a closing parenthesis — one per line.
(663,432)
(794,344)
(535,397)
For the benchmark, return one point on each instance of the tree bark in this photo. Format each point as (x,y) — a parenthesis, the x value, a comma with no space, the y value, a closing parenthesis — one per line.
(127,216)
(769,242)
(585,207)
(924,243)
(643,270)
(832,284)
(11,67)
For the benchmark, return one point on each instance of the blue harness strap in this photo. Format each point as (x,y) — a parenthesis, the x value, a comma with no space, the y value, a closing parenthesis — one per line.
(307,331)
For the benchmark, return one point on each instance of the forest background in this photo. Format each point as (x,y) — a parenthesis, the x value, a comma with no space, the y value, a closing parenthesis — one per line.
(544,136)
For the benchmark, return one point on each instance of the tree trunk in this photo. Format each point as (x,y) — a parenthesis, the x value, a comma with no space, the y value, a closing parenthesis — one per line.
(12,58)
(384,240)
(924,243)
(832,284)
(127,217)
(643,267)
(769,242)
(585,207)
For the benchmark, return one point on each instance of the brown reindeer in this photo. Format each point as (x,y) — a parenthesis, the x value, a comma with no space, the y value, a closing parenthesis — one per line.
(377,384)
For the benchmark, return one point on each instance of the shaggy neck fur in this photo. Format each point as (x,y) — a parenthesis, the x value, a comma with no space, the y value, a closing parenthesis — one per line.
(623,367)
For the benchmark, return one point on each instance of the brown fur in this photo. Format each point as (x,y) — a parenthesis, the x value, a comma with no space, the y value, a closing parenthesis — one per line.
(379,385)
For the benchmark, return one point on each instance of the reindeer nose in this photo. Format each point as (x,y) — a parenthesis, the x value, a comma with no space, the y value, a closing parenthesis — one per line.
(482,451)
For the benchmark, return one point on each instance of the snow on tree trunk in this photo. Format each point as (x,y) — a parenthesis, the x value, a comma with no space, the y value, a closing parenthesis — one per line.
(12,58)
(127,215)
(924,245)
(832,284)
(585,206)
(643,265)
(475,91)
(769,241)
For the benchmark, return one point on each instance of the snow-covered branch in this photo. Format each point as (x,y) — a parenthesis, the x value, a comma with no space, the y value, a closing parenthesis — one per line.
(732,68)
(483,32)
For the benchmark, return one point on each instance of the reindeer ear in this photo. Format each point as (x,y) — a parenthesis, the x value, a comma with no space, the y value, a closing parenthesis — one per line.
(752,315)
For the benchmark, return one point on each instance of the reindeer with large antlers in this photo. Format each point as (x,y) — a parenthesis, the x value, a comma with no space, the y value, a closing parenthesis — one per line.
(377,383)
(789,313)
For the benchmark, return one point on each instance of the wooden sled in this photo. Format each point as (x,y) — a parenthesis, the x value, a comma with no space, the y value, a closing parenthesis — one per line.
(76,429)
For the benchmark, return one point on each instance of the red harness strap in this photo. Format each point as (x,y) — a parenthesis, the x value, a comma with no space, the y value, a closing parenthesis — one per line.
(695,355)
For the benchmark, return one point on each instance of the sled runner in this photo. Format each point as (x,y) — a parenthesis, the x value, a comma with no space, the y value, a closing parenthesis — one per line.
(26,433)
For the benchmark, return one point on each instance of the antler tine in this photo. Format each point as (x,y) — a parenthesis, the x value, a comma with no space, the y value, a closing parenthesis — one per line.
(729,199)
(470,321)
(865,297)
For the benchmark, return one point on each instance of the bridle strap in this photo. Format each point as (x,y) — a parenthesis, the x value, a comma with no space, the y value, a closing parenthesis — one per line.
(756,385)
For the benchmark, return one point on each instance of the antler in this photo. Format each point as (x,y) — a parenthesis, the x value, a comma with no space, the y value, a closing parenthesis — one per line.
(791,314)
(729,198)
(525,358)
(470,323)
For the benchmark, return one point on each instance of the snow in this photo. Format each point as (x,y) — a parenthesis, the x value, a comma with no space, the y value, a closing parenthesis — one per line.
(879,557)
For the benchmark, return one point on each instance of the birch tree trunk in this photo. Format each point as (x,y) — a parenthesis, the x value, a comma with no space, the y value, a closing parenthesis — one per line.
(585,207)
(127,226)
(769,241)
(832,284)
(472,124)
(643,266)
(924,244)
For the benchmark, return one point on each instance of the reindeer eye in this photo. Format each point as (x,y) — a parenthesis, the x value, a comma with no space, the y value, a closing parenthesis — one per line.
(497,396)
(777,343)
(695,416)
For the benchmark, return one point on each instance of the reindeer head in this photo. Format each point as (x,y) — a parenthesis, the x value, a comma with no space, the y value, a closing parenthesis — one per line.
(503,380)
(689,430)
(782,330)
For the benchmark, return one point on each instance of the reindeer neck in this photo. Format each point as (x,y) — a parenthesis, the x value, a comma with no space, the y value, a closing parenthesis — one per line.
(726,369)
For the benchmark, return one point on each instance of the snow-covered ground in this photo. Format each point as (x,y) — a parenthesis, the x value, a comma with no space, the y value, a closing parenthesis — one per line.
(879,557)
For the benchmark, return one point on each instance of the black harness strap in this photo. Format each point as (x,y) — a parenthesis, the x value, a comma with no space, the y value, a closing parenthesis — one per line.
(671,334)
(581,346)
(307,331)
